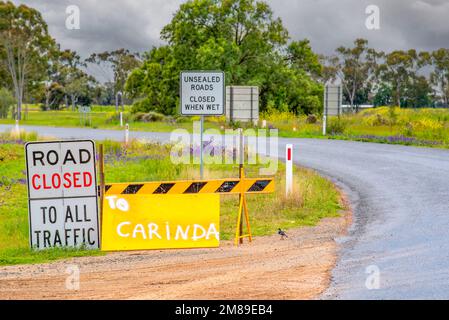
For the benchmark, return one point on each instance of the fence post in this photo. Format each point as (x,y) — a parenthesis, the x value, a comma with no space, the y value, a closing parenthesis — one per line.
(231,103)
(102,184)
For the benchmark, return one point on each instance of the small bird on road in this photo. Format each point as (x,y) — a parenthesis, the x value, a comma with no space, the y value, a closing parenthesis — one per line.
(282,234)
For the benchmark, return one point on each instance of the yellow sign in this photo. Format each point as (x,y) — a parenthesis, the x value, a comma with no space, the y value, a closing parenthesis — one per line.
(160,221)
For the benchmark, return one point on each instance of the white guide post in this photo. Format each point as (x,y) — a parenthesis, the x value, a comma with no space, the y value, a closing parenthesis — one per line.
(288,169)
(17,128)
(126,134)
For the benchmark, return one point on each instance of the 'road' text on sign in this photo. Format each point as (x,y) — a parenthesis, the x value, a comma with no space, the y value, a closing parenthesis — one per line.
(62,194)
(160,221)
(202,93)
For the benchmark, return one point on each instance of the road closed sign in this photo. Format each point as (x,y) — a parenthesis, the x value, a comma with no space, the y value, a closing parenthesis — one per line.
(62,194)
(202,93)
(160,221)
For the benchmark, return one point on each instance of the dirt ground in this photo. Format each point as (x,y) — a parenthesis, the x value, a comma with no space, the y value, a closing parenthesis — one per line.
(268,268)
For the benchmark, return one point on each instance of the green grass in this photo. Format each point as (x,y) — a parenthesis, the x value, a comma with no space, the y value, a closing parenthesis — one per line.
(315,197)
(103,117)
(421,127)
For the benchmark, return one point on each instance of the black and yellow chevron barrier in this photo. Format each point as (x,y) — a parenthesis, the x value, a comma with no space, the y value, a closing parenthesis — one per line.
(241,186)
(221,186)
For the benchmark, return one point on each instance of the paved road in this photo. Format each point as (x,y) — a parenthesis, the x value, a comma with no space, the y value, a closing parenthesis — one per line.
(400,197)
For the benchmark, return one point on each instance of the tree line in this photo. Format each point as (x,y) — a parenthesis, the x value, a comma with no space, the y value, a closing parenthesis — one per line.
(243,38)
(400,78)
(33,67)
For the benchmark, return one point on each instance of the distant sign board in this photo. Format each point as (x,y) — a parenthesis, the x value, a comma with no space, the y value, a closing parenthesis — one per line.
(202,93)
(160,221)
(84,109)
(242,103)
(333,96)
(62,194)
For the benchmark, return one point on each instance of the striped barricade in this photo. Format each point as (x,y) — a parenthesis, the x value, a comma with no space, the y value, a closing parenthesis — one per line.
(221,186)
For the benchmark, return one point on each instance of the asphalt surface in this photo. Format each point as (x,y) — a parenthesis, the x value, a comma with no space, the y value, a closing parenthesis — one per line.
(400,197)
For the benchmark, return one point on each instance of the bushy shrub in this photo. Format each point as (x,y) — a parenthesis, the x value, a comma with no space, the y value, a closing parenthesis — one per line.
(218,119)
(375,120)
(408,129)
(235,124)
(392,116)
(170,119)
(311,119)
(273,115)
(138,116)
(6,101)
(428,125)
(336,126)
(182,119)
(148,117)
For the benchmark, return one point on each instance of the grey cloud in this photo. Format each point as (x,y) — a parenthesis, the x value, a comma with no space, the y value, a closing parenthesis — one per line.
(135,24)
(107,24)
(404,23)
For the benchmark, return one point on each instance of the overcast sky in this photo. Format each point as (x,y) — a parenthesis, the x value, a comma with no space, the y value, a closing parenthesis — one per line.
(136,24)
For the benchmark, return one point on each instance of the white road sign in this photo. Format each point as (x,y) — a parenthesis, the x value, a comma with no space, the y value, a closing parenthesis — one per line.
(202,93)
(333,96)
(62,194)
(84,109)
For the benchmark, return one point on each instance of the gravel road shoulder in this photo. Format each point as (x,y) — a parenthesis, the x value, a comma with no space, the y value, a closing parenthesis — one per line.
(269,268)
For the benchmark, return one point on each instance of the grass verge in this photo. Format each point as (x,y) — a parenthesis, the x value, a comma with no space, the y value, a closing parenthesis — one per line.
(417,127)
(314,197)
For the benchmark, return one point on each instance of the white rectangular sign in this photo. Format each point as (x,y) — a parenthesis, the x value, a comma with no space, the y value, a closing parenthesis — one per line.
(62,194)
(202,93)
(84,109)
(242,103)
(332,100)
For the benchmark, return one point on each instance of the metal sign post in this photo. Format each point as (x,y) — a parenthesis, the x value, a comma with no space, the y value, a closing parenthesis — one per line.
(242,195)
(325,99)
(85,116)
(102,183)
(201,148)
(117,97)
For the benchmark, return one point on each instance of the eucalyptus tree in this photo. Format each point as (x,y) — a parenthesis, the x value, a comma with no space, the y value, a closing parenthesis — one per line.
(241,37)
(25,45)
(355,67)
(439,76)
(400,69)
(118,63)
